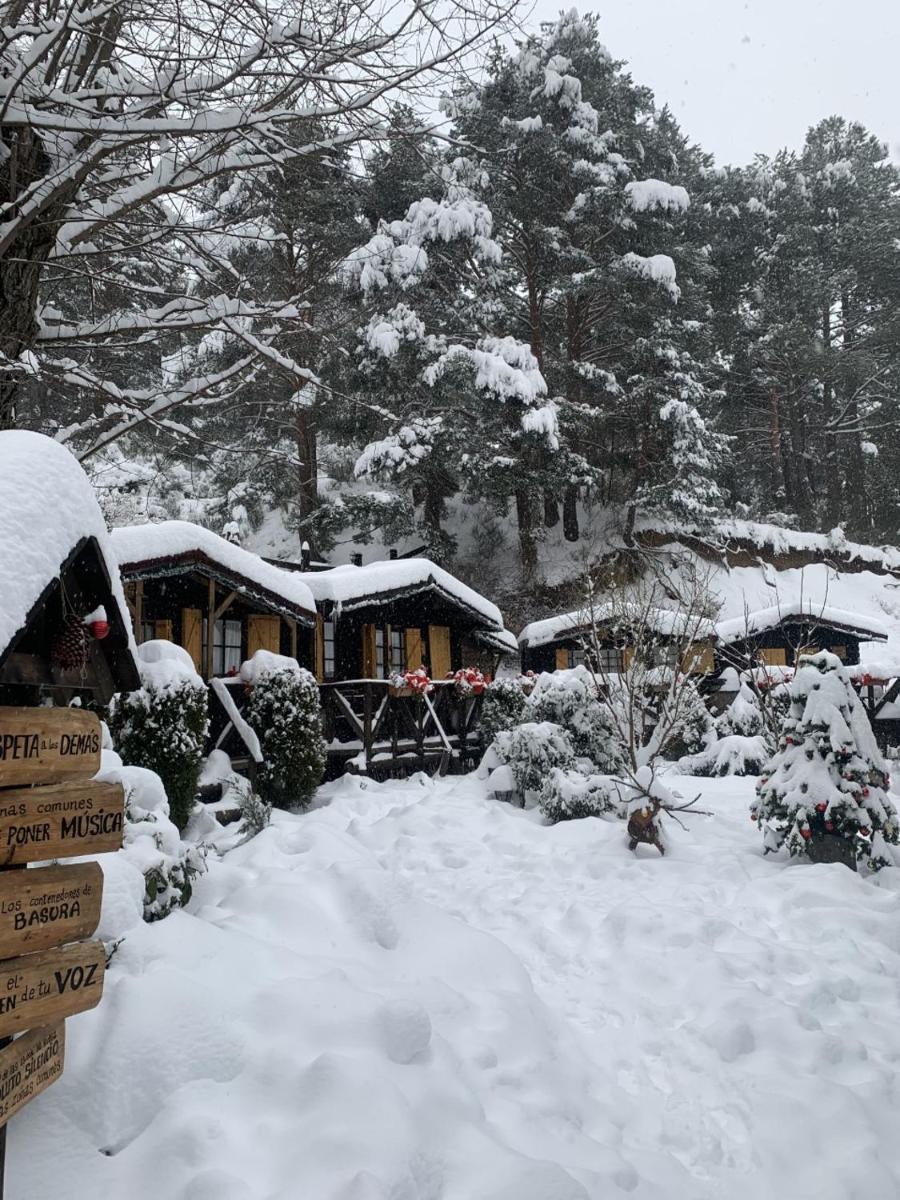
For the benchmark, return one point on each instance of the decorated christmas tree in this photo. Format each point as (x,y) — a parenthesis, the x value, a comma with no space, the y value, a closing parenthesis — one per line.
(824,793)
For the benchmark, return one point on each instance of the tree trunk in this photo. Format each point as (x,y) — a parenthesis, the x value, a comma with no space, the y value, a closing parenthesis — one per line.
(308,464)
(551,510)
(525,521)
(571,532)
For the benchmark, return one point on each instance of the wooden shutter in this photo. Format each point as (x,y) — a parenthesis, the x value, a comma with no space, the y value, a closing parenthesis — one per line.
(163,629)
(627,657)
(263,633)
(191,633)
(773,656)
(320,648)
(698,659)
(439,645)
(415,653)
(562,658)
(369,658)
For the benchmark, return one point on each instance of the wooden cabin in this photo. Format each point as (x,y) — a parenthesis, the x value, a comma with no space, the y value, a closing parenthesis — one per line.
(64,628)
(182,581)
(604,641)
(401,614)
(777,636)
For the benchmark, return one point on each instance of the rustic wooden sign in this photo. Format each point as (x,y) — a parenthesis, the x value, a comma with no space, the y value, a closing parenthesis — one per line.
(28,1066)
(61,821)
(39,745)
(40,988)
(48,906)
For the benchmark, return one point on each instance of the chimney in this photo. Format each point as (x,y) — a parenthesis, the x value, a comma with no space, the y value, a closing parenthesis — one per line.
(305,556)
(392,554)
(356,559)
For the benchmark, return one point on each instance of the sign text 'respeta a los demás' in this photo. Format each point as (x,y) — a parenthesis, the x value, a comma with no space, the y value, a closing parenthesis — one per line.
(40,745)
(18,746)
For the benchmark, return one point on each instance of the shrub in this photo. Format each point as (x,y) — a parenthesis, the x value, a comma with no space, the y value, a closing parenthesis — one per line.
(503,708)
(569,699)
(696,729)
(285,713)
(570,795)
(162,726)
(532,750)
(730,755)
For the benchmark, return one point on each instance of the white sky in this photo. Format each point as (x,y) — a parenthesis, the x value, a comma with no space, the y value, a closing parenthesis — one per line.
(743,76)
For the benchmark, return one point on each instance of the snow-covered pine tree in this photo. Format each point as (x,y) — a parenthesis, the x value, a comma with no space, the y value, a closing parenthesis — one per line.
(826,787)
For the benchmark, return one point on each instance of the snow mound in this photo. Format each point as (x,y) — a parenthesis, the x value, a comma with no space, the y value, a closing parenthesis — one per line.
(163,664)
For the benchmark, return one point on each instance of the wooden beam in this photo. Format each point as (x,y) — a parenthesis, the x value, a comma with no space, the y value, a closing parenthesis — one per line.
(225,605)
(138,610)
(292,630)
(210,626)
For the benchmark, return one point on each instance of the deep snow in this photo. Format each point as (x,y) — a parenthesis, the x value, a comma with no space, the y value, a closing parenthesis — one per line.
(414,993)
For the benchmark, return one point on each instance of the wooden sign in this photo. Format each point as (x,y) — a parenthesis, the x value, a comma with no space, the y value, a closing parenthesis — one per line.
(64,820)
(28,1066)
(48,906)
(39,745)
(40,988)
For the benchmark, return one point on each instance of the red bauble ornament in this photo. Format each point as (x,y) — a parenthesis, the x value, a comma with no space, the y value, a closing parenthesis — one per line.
(865,791)
(864,830)
(789,741)
(99,629)
(806,834)
(829,826)
(821,807)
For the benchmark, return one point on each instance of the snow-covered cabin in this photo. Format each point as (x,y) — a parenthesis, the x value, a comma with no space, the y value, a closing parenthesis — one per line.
(569,639)
(399,614)
(776,636)
(64,625)
(182,580)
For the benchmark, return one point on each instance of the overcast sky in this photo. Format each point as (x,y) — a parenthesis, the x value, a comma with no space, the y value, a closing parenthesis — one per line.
(744,76)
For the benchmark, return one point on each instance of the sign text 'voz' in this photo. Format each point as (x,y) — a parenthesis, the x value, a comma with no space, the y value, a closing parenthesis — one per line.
(39,988)
(39,745)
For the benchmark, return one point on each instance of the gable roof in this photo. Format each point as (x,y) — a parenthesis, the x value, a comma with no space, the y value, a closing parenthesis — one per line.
(49,518)
(663,621)
(349,587)
(153,550)
(807,611)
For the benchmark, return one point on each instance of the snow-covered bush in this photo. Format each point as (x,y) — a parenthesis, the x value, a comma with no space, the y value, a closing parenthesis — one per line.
(152,842)
(285,713)
(569,699)
(235,793)
(162,726)
(502,709)
(730,755)
(532,750)
(567,795)
(695,730)
(743,716)
(824,794)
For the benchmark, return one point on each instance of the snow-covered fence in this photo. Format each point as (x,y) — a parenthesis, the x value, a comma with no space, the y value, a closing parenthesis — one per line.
(371,728)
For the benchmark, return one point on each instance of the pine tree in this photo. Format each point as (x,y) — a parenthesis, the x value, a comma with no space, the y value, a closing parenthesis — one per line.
(827,782)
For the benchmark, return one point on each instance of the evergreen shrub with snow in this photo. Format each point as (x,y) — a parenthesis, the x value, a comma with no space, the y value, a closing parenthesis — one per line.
(503,707)
(532,751)
(162,726)
(824,794)
(696,730)
(285,713)
(570,795)
(569,699)
(738,745)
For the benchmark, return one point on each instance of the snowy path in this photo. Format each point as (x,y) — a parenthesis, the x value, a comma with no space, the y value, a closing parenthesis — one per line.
(415,994)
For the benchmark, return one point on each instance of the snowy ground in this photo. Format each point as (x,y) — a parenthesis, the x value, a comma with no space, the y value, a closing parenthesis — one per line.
(415,994)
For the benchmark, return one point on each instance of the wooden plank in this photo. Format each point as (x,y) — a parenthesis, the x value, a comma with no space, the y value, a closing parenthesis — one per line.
(62,821)
(48,906)
(38,989)
(415,654)
(439,646)
(29,1065)
(191,634)
(263,633)
(39,745)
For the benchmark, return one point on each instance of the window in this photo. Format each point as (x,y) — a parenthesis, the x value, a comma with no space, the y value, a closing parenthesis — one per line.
(380,653)
(226,646)
(328,657)
(665,656)
(148,631)
(398,652)
(609,660)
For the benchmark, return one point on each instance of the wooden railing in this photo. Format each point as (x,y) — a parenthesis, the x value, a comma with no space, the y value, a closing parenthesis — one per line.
(372,729)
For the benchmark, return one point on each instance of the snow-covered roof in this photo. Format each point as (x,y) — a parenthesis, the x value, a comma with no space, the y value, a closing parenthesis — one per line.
(498,639)
(666,622)
(140,548)
(349,587)
(47,506)
(735,628)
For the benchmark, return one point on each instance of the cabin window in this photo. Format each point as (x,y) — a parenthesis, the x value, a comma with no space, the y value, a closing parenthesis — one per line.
(328,649)
(665,656)
(381,665)
(563,658)
(398,651)
(148,631)
(609,660)
(226,646)
(840,651)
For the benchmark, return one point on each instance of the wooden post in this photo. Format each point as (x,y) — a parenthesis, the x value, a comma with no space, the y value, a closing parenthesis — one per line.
(138,620)
(367,729)
(210,631)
